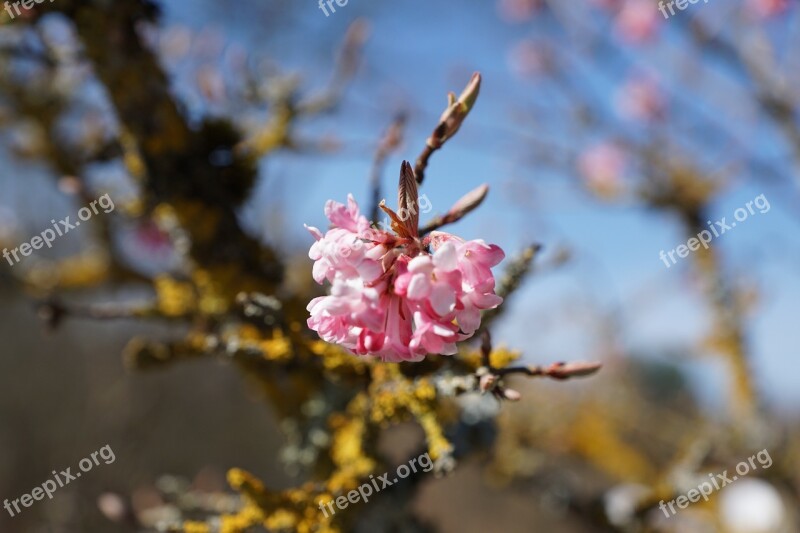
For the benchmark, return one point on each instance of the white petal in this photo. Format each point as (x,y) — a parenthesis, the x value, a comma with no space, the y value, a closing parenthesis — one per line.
(319,271)
(419,287)
(314,231)
(443,299)
(446,257)
(421,263)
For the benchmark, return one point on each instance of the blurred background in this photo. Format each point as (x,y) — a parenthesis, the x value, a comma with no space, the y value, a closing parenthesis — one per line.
(607,133)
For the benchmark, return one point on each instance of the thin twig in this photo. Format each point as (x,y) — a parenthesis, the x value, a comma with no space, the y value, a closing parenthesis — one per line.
(449,123)
(464,206)
(422,162)
(559,371)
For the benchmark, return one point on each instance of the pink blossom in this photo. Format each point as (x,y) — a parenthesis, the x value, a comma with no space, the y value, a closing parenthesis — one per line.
(640,98)
(637,21)
(342,249)
(767,8)
(152,238)
(530,58)
(398,297)
(602,166)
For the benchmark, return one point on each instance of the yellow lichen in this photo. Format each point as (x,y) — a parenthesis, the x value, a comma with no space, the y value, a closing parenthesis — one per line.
(174,298)
(499,357)
(196,527)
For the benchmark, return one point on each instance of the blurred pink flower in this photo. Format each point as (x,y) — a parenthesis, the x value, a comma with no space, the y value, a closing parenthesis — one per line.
(602,166)
(529,58)
(518,10)
(211,83)
(151,238)
(640,98)
(398,297)
(767,8)
(637,20)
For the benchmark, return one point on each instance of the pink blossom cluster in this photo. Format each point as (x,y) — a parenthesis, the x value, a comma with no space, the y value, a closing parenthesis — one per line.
(602,167)
(635,21)
(398,297)
(767,8)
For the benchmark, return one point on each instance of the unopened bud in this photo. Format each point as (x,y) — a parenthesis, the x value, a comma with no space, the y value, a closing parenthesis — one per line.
(511,395)
(487,382)
(457,110)
(571,370)
(470,201)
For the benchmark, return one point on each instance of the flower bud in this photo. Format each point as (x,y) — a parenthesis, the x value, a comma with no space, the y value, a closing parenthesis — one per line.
(456,112)
(511,395)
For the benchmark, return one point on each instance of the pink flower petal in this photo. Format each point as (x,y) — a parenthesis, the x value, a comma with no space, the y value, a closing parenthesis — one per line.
(419,288)
(442,299)
(446,257)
